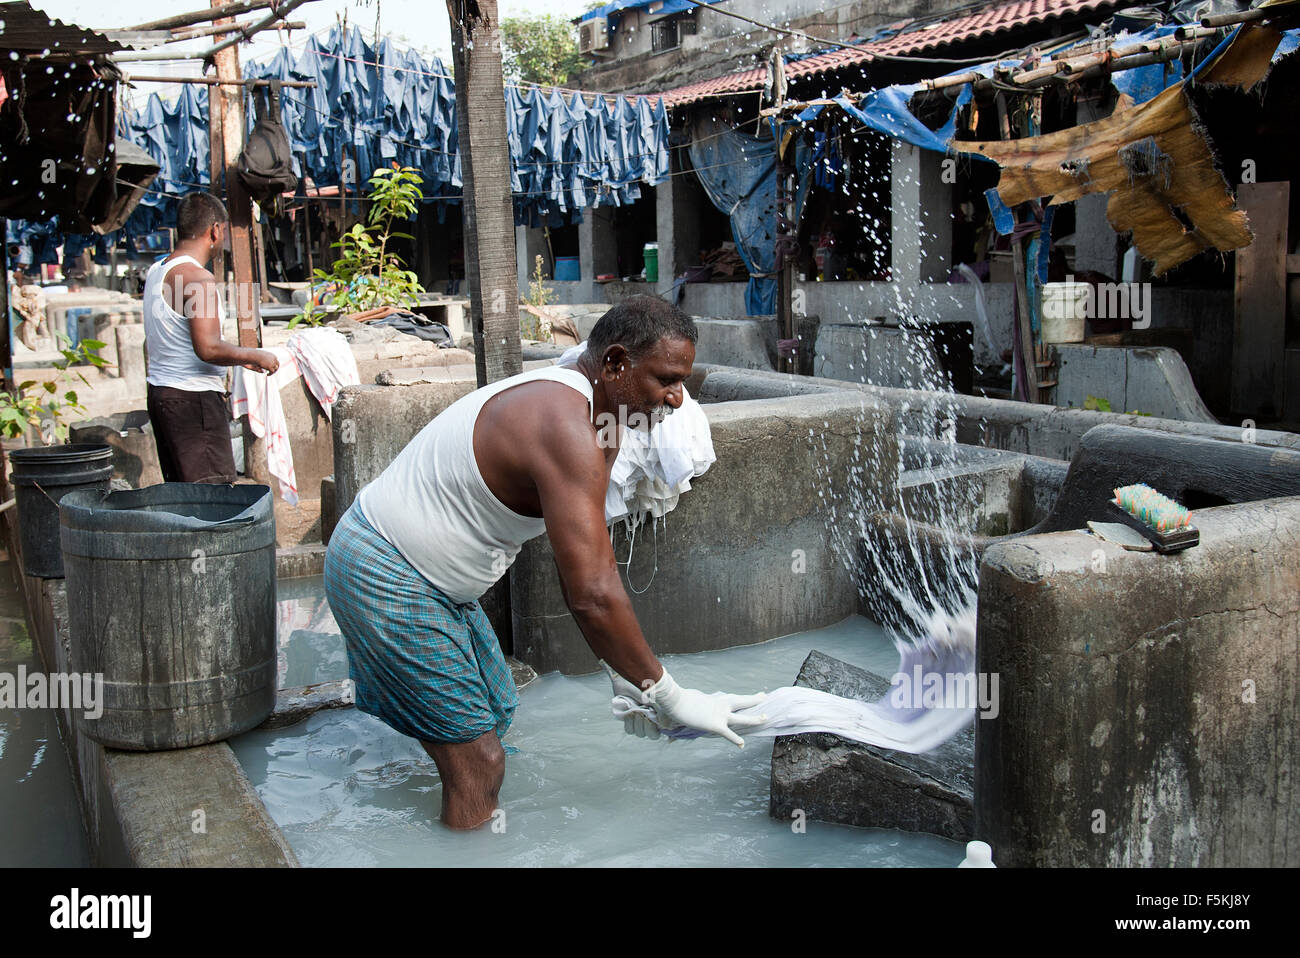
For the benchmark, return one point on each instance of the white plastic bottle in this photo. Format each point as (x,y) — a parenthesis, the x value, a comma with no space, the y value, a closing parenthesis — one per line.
(978,855)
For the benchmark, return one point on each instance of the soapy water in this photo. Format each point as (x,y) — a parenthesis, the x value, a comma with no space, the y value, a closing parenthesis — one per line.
(346,790)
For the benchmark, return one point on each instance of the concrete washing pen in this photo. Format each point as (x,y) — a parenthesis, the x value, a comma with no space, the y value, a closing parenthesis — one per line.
(1165,524)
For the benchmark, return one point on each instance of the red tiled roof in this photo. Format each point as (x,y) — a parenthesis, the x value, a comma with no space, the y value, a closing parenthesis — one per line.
(994,19)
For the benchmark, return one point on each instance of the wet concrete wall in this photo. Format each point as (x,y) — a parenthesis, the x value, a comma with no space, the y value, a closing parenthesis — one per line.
(372,424)
(1153,380)
(1148,703)
(746,556)
(1037,430)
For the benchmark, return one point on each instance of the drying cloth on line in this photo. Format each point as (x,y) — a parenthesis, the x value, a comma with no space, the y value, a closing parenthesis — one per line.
(654,468)
(327,364)
(257,396)
(905,720)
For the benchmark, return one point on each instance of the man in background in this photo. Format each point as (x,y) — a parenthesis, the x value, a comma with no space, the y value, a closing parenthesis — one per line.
(187,356)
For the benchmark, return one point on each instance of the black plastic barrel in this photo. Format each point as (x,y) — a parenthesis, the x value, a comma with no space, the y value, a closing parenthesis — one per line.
(171,598)
(41,477)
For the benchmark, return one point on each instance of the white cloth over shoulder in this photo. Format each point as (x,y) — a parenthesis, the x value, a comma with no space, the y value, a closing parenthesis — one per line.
(327,364)
(257,396)
(654,468)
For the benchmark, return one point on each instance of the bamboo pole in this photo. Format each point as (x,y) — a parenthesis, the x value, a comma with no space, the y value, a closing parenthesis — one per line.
(213,81)
(217,11)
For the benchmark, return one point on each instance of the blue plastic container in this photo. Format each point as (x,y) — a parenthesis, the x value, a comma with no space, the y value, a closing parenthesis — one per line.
(73,318)
(566,269)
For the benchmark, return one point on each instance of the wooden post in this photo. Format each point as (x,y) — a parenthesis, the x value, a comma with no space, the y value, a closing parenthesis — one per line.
(259,245)
(230,104)
(216,167)
(490,263)
(1259,303)
(226,116)
(306,240)
(784,223)
(784,262)
(1028,354)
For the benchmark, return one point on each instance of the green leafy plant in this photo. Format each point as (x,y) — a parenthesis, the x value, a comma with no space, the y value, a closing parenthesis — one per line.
(367,274)
(45,404)
(1096,404)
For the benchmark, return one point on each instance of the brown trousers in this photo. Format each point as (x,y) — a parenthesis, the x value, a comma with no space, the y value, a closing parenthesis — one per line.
(192,431)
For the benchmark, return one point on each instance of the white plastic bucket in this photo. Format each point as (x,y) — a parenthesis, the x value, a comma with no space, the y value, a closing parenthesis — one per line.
(1065,308)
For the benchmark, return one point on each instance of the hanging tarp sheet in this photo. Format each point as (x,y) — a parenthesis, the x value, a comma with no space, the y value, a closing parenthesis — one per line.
(1150,157)
(738,173)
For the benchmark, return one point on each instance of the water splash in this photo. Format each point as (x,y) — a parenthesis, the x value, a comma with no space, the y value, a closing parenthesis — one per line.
(899,523)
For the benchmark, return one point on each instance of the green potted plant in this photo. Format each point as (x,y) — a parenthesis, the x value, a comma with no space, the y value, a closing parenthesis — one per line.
(368,274)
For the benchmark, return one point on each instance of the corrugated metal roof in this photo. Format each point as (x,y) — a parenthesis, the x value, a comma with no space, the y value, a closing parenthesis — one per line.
(990,21)
(26,30)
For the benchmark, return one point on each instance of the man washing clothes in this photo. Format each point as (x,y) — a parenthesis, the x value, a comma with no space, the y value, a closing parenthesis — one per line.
(187,356)
(526,455)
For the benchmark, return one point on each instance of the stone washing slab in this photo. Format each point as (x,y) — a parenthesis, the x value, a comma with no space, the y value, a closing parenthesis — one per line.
(834,780)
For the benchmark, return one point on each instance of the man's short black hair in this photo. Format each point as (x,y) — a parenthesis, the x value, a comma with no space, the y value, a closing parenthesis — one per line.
(196,213)
(637,323)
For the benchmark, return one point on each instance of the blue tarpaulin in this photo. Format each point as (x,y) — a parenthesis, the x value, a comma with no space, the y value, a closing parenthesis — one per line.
(739,175)
(738,172)
(888,109)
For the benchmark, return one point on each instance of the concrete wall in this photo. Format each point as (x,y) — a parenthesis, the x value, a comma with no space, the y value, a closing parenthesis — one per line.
(744,343)
(1154,380)
(900,358)
(372,424)
(1148,703)
(1037,430)
(723,44)
(847,303)
(728,570)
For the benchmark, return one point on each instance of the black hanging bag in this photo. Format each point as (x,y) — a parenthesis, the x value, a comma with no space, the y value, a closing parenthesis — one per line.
(266,165)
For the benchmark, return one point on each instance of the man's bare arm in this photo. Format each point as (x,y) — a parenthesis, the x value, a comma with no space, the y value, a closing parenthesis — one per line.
(205,329)
(571,479)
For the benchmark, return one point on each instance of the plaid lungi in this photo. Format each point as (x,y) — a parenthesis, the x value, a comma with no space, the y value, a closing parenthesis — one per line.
(425,665)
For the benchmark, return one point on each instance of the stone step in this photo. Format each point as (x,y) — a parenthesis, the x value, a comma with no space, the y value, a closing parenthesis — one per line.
(835,780)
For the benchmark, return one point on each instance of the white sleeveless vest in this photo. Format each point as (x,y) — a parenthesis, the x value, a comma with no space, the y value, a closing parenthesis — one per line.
(432,504)
(172,360)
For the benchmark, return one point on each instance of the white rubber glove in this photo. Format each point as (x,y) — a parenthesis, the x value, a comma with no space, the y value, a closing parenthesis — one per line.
(676,706)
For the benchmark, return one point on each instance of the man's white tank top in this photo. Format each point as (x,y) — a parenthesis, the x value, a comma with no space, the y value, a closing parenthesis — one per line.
(433,505)
(172,360)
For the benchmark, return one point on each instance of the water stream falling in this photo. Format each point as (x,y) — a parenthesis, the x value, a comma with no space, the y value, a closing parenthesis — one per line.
(907,543)
(918,567)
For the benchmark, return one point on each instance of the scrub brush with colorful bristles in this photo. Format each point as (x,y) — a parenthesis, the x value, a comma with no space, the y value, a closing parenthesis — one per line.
(1165,523)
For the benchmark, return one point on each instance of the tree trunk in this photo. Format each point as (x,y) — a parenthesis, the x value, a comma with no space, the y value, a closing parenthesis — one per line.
(485,172)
